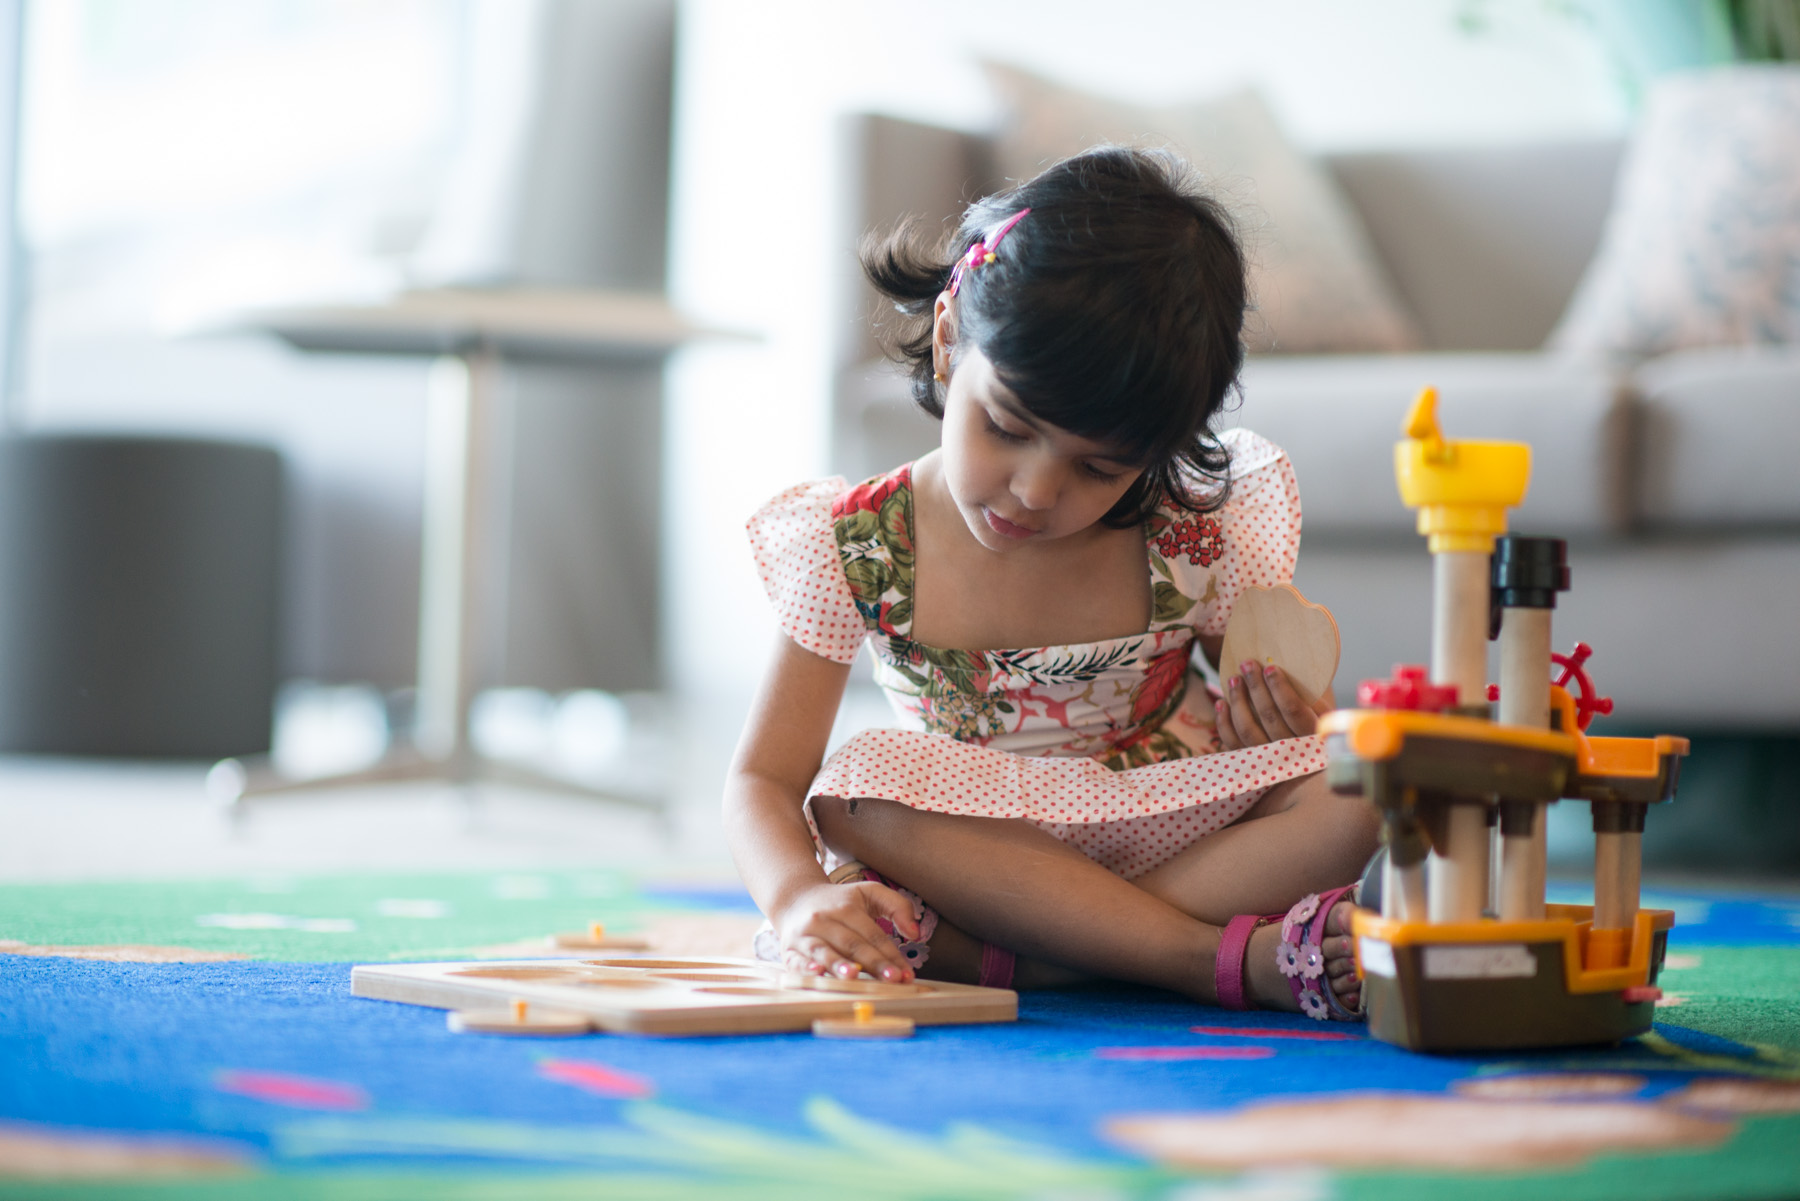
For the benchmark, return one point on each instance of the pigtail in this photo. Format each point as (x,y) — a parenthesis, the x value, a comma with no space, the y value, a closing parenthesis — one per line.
(909,267)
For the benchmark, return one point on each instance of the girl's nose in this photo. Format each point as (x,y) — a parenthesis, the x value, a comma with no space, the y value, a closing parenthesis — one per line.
(1037,484)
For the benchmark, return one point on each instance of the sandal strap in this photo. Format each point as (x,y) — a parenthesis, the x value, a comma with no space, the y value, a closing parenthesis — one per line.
(996,966)
(1228,966)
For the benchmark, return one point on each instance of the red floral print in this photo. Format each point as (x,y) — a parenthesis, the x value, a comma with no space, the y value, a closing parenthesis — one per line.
(1162,676)
(1200,538)
(868,496)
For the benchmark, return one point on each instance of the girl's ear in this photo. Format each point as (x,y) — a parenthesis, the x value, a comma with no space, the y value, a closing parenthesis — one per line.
(943,335)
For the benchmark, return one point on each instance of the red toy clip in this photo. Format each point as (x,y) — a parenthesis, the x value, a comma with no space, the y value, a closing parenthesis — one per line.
(1410,688)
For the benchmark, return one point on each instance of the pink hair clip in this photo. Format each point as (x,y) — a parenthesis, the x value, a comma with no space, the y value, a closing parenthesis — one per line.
(982,252)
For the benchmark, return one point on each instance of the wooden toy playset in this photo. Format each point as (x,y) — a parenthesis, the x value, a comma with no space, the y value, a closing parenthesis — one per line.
(1465,954)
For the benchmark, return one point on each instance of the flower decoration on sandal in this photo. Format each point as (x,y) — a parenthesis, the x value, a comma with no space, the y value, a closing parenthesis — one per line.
(1299,914)
(984,251)
(1301,956)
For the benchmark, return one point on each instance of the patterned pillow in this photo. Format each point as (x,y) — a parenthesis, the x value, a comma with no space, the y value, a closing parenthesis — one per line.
(1702,247)
(1314,277)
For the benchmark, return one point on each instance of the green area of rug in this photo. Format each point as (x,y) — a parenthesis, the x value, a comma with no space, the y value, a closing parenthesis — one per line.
(333,918)
(1746,994)
(1739,1170)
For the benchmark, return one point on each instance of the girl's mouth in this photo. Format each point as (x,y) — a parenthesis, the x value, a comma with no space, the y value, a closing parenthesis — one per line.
(1005,528)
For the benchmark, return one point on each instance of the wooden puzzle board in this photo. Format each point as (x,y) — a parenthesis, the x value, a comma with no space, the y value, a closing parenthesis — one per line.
(627,995)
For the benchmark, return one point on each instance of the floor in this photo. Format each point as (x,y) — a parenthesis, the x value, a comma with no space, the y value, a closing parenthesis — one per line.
(74,819)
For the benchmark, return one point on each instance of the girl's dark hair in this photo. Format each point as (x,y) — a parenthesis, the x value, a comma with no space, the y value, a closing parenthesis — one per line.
(1113,311)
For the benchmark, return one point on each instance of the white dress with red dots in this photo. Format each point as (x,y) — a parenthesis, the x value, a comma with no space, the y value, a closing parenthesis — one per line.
(1107,745)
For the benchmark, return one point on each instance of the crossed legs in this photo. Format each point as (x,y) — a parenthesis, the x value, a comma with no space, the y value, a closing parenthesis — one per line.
(1008,882)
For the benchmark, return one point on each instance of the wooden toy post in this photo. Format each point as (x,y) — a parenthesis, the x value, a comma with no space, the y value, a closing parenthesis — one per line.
(1462,491)
(1618,861)
(1527,575)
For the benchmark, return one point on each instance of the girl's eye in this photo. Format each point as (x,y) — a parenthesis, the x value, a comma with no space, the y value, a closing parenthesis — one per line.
(1005,435)
(1100,473)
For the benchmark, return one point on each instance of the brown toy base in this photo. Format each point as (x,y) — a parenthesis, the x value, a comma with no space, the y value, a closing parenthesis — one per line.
(1521,999)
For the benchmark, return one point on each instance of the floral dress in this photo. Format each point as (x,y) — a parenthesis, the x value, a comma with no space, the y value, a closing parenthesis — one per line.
(1110,745)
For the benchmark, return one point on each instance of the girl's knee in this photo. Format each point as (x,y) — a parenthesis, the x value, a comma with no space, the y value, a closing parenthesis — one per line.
(846,823)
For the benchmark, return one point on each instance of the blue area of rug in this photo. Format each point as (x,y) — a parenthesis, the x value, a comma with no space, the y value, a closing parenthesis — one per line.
(157,1047)
(142,1046)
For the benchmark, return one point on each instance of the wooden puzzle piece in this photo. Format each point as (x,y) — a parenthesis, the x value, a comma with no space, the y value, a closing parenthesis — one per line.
(595,938)
(521,1017)
(677,996)
(1277,625)
(863,1023)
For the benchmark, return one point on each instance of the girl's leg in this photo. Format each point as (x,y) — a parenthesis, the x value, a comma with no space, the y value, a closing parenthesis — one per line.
(1010,883)
(1300,837)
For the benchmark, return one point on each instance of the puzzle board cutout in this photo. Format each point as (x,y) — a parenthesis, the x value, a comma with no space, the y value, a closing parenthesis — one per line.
(1278,625)
(627,995)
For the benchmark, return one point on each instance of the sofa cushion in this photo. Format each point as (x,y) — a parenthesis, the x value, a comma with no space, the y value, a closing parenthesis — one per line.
(1486,243)
(1339,416)
(1316,282)
(1703,244)
(1720,429)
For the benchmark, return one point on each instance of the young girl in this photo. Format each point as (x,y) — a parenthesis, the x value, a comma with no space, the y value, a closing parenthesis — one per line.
(1068,800)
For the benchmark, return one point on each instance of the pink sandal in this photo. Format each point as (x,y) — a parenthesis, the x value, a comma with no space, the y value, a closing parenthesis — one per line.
(1301,957)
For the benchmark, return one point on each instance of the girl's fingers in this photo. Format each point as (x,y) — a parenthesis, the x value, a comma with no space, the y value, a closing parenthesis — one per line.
(1268,712)
(865,947)
(884,962)
(794,961)
(815,954)
(1243,711)
(825,952)
(1300,717)
(885,902)
(1228,735)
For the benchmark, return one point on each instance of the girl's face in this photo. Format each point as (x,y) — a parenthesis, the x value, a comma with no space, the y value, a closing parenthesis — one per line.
(1017,480)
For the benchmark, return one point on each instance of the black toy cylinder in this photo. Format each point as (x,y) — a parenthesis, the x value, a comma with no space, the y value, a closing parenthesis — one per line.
(138,585)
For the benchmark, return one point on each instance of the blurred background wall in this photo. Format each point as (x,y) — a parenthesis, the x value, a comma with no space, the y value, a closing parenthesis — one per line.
(186,158)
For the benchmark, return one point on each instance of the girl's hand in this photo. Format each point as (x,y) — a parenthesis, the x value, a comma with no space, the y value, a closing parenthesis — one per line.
(830,929)
(1261,705)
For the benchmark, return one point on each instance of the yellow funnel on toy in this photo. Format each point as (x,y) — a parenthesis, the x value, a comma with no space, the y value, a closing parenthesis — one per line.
(1462,489)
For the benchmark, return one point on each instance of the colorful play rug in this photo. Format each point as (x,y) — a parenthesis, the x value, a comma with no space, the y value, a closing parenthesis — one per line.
(201,1075)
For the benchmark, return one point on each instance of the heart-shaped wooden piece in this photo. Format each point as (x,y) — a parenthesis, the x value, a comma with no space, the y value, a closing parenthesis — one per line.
(1277,625)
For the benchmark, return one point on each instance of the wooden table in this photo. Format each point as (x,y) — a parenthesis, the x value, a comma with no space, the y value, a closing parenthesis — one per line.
(471,332)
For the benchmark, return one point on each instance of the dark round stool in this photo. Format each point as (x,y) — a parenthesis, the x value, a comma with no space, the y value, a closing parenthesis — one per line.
(137,595)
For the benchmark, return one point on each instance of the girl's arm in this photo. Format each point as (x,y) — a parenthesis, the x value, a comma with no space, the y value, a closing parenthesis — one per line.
(824,927)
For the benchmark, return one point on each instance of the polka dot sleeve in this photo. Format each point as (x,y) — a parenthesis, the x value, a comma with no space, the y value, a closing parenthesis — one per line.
(797,557)
(1261,527)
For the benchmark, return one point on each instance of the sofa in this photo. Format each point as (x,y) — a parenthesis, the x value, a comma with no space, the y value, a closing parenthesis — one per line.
(1676,479)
